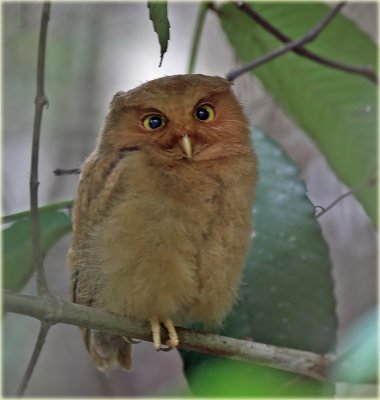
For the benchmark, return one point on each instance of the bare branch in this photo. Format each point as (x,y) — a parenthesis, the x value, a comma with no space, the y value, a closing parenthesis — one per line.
(33,361)
(320,207)
(310,36)
(40,102)
(356,189)
(53,310)
(60,171)
(301,51)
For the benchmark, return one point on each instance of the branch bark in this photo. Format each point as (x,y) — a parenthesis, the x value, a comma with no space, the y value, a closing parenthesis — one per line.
(40,102)
(60,171)
(53,310)
(33,361)
(301,51)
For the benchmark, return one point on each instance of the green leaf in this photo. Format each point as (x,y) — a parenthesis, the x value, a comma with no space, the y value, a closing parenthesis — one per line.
(158,13)
(360,351)
(214,377)
(286,296)
(18,261)
(26,214)
(338,110)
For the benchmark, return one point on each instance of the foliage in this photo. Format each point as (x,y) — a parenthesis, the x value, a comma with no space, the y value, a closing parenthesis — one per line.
(286,297)
(337,110)
(361,347)
(18,263)
(158,13)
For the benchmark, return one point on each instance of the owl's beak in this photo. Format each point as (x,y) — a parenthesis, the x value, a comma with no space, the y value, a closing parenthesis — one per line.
(186,146)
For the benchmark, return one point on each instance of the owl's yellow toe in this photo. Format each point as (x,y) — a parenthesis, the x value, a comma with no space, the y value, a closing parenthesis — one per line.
(173,336)
(156,333)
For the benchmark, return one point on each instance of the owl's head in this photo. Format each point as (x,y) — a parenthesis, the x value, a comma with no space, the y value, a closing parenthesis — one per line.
(178,118)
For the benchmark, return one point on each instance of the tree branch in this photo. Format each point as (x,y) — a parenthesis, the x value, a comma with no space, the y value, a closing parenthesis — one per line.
(301,51)
(310,36)
(371,182)
(53,310)
(60,171)
(40,102)
(33,361)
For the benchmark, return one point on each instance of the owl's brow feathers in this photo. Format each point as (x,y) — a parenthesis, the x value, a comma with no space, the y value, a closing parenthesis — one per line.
(178,84)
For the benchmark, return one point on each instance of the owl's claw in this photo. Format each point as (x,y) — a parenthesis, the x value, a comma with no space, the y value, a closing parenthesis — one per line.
(166,349)
(130,340)
(156,334)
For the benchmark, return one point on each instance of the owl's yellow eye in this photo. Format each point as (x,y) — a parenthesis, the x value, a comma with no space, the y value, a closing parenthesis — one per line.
(204,113)
(153,122)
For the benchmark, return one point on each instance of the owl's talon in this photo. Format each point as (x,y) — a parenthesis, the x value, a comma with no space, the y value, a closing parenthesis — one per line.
(173,337)
(166,349)
(131,340)
(156,334)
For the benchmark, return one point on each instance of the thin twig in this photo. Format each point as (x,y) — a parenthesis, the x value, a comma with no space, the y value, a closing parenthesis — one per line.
(356,189)
(33,360)
(203,8)
(40,102)
(55,310)
(310,36)
(60,171)
(301,51)
(320,207)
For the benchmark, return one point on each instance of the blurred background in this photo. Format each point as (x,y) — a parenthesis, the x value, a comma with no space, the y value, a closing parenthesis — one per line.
(93,51)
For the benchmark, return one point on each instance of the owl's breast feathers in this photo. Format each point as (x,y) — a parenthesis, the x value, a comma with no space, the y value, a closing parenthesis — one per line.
(171,241)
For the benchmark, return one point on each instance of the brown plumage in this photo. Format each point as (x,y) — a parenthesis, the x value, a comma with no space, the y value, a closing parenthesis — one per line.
(162,217)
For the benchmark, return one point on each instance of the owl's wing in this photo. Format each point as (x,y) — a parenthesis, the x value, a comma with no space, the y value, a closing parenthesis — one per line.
(82,290)
(98,179)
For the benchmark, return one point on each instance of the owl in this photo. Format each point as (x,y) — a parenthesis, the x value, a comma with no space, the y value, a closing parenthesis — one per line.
(163,212)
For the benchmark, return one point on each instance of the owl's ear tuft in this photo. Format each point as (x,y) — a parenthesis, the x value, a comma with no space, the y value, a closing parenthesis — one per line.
(118,100)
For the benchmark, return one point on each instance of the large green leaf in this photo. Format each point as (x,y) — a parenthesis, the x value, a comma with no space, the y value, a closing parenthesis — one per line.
(158,13)
(338,110)
(18,248)
(286,297)
(359,359)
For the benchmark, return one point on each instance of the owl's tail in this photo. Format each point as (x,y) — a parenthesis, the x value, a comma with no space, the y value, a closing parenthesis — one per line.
(107,350)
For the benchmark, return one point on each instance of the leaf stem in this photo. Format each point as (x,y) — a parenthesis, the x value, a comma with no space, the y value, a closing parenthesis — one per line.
(203,8)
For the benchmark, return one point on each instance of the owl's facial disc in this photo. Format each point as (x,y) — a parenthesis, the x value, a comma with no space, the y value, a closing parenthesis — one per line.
(186,146)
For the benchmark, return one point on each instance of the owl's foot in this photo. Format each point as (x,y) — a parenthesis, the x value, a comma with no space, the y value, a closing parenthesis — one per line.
(156,334)
(131,341)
